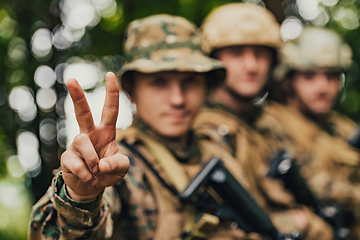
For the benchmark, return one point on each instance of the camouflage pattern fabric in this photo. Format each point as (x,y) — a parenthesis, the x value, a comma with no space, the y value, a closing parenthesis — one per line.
(227,129)
(132,209)
(236,24)
(328,163)
(167,43)
(315,48)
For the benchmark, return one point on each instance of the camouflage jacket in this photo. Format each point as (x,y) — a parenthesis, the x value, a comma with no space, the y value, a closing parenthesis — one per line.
(328,163)
(226,128)
(136,207)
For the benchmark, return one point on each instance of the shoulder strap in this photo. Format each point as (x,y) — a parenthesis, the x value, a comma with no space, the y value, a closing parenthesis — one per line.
(178,179)
(164,158)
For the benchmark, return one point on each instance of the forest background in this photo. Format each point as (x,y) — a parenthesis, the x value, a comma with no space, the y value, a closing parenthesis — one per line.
(43,43)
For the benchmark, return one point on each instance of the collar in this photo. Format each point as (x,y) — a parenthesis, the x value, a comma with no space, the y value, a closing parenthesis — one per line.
(188,153)
(249,117)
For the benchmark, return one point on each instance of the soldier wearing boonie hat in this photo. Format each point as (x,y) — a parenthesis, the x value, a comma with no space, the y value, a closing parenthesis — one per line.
(97,195)
(311,76)
(245,38)
(157,45)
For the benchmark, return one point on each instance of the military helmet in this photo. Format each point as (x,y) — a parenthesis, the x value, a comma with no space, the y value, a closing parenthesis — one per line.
(167,43)
(315,48)
(240,24)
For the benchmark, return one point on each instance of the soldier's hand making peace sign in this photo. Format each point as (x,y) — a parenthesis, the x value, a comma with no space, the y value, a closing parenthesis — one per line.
(93,161)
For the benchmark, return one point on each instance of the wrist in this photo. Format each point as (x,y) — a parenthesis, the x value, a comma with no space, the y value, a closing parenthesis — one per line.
(78,197)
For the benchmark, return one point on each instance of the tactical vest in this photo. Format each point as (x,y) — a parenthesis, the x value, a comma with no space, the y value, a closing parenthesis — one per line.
(173,217)
(250,150)
(329,164)
(307,140)
(253,153)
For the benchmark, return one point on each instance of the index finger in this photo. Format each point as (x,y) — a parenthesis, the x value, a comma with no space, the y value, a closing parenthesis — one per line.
(81,106)
(111,105)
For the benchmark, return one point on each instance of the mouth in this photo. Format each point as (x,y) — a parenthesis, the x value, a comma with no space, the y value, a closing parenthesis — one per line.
(250,79)
(177,117)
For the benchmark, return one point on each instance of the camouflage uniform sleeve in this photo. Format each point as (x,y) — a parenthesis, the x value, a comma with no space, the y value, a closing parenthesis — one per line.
(334,172)
(57,216)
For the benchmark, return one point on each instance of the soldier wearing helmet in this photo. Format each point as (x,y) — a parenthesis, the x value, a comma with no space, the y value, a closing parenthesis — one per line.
(311,74)
(245,39)
(97,195)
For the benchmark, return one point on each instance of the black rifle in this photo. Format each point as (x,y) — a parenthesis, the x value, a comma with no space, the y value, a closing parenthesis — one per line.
(283,167)
(233,201)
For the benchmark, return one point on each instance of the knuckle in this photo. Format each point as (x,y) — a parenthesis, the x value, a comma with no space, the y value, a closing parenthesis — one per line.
(87,178)
(64,156)
(93,158)
(77,169)
(79,139)
(82,173)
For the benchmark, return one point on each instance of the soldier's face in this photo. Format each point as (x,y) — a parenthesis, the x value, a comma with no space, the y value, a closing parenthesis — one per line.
(316,90)
(169,101)
(247,68)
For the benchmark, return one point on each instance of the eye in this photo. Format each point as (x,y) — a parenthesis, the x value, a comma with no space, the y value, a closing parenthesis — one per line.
(236,51)
(159,82)
(261,52)
(190,81)
(333,75)
(308,75)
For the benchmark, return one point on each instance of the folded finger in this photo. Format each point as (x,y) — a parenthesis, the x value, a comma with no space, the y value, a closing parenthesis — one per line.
(81,106)
(117,164)
(85,150)
(111,105)
(73,163)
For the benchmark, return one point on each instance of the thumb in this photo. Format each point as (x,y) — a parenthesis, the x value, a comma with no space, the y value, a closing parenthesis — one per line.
(116,164)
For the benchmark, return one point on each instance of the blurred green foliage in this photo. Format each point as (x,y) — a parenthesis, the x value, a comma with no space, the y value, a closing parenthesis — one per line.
(20,19)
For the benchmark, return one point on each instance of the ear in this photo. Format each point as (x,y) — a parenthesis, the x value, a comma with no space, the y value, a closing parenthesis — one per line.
(288,87)
(128,85)
(131,99)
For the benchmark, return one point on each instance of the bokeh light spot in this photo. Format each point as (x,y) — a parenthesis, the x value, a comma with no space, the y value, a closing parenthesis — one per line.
(14,167)
(106,8)
(44,76)
(322,19)
(20,98)
(62,39)
(22,102)
(9,196)
(329,3)
(17,52)
(308,9)
(48,131)
(347,17)
(86,73)
(81,16)
(41,42)
(8,26)
(46,99)
(291,28)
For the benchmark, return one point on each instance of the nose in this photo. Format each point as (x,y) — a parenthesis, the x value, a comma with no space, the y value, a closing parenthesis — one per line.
(322,81)
(177,94)
(250,59)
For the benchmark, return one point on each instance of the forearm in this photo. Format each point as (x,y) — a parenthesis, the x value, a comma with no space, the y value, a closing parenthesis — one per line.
(56,215)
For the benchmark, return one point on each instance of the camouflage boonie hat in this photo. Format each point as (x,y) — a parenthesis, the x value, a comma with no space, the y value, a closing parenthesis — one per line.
(167,43)
(315,48)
